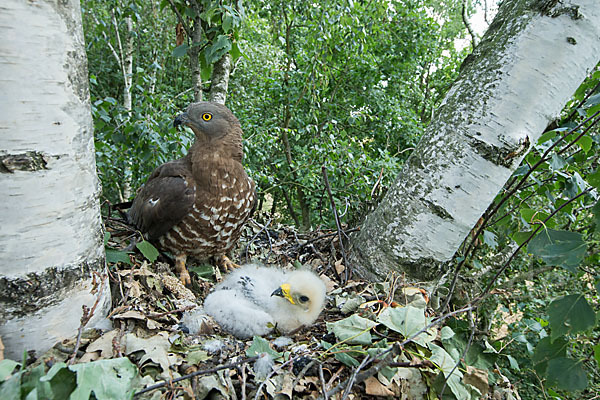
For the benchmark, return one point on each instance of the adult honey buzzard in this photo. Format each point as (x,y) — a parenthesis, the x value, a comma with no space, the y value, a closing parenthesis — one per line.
(198,204)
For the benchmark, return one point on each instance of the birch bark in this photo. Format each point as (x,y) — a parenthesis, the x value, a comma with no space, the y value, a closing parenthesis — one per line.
(220,80)
(51,247)
(531,60)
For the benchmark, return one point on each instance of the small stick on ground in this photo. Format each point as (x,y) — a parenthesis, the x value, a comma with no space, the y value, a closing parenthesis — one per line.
(87,315)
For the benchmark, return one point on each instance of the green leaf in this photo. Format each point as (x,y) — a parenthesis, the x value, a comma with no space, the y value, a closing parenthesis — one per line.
(570,314)
(6,368)
(180,50)
(596,212)
(585,142)
(521,237)
(148,250)
(11,388)
(408,321)
(261,345)
(513,362)
(592,101)
(597,354)
(547,136)
(567,374)
(557,162)
(106,237)
(114,256)
(203,271)
(344,354)
(546,350)
(559,248)
(594,179)
(490,239)
(354,329)
(217,49)
(107,379)
(62,381)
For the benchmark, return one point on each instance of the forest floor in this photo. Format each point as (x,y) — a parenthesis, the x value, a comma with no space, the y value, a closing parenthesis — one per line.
(351,352)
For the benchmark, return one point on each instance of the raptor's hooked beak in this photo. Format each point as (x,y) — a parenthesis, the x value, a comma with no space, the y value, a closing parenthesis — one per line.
(284,291)
(181,119)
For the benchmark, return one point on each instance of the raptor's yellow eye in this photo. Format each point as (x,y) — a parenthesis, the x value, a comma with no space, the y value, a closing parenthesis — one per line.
(206,116)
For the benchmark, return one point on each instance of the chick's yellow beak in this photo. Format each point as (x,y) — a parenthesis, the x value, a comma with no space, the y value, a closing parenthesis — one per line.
(284,291)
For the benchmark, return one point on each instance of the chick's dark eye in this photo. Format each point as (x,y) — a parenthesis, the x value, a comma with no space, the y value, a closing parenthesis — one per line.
(206,116)
(303,299)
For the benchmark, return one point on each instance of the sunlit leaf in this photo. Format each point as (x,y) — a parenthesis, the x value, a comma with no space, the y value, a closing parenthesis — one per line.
(585,142)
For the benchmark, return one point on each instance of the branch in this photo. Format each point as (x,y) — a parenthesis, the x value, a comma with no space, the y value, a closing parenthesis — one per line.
(465,18)
(180,18)
(337,222)
(197,373)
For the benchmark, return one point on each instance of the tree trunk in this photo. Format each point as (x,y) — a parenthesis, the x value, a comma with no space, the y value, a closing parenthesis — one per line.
(220,79)
(533,57)
(51,247)
(194,53)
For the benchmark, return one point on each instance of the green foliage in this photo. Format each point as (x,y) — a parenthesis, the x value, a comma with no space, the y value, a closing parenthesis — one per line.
(559,248)
(569,315)
(559,201)
(147,250)
(105,379)
(259,346)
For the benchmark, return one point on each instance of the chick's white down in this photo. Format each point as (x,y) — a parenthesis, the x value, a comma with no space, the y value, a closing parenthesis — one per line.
(244,306)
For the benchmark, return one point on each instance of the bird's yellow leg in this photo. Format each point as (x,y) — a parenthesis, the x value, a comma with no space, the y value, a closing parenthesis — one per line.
(225,263)
(184,275)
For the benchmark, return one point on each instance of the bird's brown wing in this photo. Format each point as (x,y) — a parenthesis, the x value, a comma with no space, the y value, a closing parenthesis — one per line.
(164,200)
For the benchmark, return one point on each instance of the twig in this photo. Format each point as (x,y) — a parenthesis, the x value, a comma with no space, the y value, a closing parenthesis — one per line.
(273,371)
(393,351)
(464,353)
(243,383)
(377,182)
(353,377)
(337,224)
(326,235)
(322,378)
(87,315)
(507,263)
(181,19)
(193,374)
(262,228)
(162,314)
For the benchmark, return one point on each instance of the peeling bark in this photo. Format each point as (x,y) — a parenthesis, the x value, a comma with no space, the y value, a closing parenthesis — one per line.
(518,79)
(51,238)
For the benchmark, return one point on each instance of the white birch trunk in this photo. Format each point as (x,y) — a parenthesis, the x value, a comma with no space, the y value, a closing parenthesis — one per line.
(51,235)
(525,69)
(220,80)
